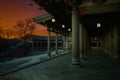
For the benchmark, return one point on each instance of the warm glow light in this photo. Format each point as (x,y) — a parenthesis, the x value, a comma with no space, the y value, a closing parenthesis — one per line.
(69,29)
(53,20)
(98,25)
(95,38)
(63,26)
(51,28)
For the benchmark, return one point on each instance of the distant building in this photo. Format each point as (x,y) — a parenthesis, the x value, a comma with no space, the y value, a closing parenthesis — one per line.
(40,42)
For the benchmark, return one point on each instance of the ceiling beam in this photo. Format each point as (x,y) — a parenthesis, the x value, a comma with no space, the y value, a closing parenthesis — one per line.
(105,8)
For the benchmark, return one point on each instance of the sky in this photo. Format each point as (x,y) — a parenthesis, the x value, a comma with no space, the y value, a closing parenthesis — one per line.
(13,10)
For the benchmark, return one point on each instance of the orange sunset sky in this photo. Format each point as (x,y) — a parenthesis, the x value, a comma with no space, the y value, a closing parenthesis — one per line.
(13,10)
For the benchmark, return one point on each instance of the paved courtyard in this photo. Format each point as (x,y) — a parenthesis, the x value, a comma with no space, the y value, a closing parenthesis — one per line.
(97,67)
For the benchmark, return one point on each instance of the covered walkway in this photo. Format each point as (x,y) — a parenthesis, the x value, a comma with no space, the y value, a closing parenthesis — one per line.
(97,67)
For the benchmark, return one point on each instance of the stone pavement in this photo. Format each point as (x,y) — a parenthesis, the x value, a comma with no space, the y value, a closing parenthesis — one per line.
(19,63)
(97,67)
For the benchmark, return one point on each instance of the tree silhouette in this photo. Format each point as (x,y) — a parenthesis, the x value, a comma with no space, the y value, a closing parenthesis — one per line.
(0,32)
(24,27)
(6,33)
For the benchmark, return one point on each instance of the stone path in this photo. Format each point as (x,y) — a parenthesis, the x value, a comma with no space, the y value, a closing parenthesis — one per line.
(97,67)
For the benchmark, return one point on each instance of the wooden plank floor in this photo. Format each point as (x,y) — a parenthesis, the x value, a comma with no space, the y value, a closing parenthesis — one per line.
(95,68)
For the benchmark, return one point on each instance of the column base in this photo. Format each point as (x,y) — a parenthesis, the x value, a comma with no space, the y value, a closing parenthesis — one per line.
(49,54)
(75,62)
(76,65)
(49,57)
(83,57)
(116,59)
